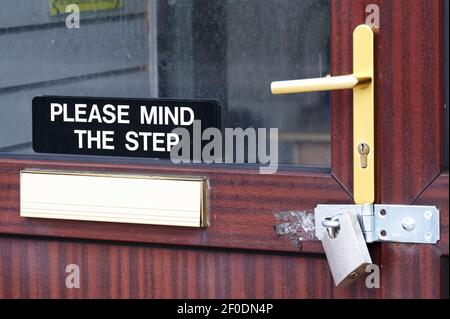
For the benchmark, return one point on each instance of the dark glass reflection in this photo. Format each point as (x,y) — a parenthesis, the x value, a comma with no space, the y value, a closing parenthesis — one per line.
(229,50)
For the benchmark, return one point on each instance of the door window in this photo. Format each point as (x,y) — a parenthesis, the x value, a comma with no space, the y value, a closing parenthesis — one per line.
(227,50)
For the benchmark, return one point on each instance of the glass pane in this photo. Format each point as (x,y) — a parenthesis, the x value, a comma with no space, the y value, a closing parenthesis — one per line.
(228,50)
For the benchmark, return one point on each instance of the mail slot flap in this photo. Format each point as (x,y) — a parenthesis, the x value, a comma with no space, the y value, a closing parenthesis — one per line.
(120,198)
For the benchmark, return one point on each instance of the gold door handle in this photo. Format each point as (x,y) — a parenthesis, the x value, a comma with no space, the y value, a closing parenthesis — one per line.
(320,84)
(362,83)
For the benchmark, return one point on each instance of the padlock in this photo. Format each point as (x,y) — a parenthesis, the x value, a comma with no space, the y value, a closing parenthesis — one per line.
(345,248)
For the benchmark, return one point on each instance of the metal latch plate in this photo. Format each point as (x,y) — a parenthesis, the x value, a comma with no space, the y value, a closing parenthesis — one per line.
(387,223)
(406,224)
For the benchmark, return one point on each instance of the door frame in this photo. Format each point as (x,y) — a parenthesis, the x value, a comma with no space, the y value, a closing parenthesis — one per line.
(410,119)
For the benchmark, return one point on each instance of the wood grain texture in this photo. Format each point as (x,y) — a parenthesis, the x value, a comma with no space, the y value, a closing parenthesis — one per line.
(410,98)
(409,129)
(410,271)
(242,205)
(437,195)
(409,126)
(345,17)
(36,269)
(415,271)
(410,152)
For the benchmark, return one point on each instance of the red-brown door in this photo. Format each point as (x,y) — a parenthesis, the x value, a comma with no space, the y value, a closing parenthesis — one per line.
(239,255)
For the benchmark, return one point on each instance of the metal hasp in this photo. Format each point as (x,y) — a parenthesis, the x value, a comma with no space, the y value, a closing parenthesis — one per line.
(362,83)
(387,223)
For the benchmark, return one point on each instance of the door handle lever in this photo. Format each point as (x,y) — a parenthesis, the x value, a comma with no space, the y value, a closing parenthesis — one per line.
(362,83)
(328,83)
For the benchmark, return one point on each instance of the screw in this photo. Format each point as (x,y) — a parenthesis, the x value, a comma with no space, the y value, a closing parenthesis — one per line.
(428,236)
(408,224)
(428,214)
(354,275)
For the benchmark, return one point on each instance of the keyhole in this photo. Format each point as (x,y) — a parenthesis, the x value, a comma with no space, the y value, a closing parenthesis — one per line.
(363,150)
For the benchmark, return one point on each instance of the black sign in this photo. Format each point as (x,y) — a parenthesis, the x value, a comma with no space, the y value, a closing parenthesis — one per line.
(118,127)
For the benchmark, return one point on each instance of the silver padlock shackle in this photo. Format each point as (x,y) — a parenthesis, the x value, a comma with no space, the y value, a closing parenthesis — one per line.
(332,225)
(332,222)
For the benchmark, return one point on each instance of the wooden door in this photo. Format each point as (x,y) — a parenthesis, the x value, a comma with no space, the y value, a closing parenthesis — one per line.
(239,255)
